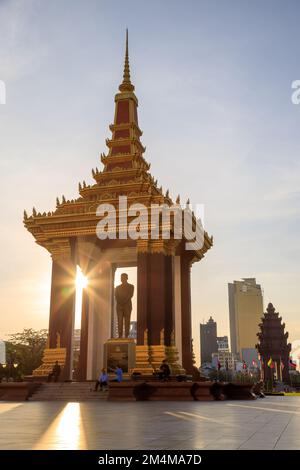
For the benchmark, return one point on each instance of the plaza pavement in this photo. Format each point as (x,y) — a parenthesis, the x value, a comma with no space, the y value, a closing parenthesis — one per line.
(270,423)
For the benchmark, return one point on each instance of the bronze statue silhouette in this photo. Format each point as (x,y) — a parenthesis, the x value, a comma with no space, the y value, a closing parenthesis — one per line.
(123,295)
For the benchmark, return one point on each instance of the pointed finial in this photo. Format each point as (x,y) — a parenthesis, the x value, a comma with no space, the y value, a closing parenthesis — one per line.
(25,215)
(270,308)
(57,201)
(126,85)
(34,212)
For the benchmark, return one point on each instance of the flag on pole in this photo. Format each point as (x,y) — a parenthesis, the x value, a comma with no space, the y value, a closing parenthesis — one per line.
(292,363)
(270,363)
(281,365)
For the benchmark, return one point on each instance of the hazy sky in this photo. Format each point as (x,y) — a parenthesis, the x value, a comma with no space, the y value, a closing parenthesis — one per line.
(213,79)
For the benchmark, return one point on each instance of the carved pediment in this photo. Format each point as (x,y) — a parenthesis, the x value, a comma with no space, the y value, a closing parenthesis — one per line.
(107,196)
(112,183)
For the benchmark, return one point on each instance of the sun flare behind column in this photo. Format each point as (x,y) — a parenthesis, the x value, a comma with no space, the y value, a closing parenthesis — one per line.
(81,283)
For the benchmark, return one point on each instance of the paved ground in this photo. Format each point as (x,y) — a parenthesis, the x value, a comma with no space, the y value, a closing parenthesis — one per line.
(271,423)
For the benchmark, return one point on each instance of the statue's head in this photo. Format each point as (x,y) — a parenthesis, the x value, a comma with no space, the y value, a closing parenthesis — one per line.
(124,278)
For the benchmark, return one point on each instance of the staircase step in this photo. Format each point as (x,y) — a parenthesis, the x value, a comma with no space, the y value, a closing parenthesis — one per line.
(69,391)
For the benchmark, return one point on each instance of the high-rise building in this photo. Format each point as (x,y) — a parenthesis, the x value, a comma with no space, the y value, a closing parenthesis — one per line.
(208,340)
(2,352)
(245,311)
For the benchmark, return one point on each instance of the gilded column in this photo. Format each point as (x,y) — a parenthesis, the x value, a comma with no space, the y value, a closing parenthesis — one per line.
(143,300)
(186,320)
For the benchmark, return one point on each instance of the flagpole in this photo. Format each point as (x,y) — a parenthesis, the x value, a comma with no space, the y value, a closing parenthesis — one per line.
(271,365)
(272,378)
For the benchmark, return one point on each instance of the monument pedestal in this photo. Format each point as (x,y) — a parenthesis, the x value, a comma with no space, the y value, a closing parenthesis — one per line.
(119,351)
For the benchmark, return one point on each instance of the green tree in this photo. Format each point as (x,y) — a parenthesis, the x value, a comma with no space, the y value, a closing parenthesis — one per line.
(26,350)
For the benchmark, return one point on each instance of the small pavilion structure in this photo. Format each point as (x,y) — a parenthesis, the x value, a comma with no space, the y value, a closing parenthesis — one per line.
(69,233)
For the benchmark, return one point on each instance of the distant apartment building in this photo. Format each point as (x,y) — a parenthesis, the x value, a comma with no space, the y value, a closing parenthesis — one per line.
(2,352)
(222,342)
(208,340)
(133,330)
(245,312)
(226,359)
(76,340)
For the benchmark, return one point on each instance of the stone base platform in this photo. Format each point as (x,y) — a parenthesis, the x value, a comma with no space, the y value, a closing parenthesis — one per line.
(178,391)
(17,391)
(130,390)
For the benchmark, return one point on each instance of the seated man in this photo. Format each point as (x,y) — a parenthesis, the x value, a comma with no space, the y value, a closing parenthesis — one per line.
(258,389)
(55,372)
(103,380)
(165,371)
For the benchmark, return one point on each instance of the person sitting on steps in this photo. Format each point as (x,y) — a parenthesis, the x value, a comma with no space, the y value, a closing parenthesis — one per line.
(165,371)
(103,381)
(55,372)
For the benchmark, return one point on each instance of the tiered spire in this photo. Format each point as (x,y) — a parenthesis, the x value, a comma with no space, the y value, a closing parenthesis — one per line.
(125,172)
(273,347)
(126,85)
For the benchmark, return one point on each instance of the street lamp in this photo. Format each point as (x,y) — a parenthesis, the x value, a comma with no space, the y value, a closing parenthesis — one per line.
(4,368)
(10,366)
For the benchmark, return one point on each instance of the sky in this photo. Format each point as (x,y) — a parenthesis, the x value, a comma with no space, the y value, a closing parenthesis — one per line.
(213,79)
